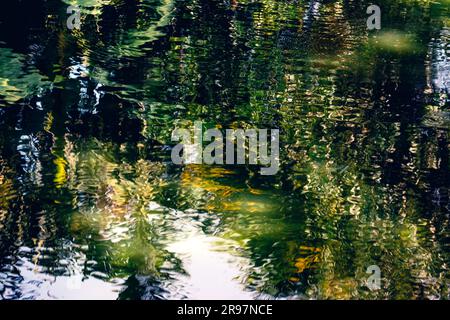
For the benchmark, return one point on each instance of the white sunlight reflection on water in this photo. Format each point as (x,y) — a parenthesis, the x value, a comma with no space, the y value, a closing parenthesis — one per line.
(211,274)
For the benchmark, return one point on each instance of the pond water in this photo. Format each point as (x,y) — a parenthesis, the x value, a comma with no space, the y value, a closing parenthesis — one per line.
(91,205)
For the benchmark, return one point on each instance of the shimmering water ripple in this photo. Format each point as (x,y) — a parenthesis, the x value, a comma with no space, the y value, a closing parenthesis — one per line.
(91,206)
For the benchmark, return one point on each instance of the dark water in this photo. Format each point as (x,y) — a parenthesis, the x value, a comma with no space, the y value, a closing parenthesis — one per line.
(91,205)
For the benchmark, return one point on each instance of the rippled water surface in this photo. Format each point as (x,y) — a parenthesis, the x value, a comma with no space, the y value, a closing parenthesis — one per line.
(91,205)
